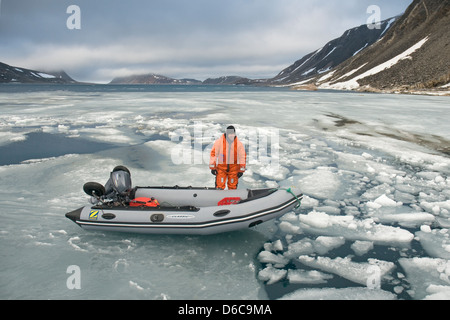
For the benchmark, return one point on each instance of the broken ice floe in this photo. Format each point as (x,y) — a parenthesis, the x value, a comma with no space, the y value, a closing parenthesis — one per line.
(429,277)
(374,190)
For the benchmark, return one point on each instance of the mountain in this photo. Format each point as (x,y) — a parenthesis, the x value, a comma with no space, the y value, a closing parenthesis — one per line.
(152,79)
(228,80)
(413,55)
(333,53)
(10,74)
(160,79)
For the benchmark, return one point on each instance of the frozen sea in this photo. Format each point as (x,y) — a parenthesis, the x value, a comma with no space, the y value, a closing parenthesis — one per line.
(374,169)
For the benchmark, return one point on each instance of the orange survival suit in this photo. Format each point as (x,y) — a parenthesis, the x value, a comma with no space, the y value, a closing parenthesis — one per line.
(228,159)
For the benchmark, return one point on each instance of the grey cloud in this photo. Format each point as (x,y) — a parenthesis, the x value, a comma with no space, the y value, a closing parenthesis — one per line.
(179,38)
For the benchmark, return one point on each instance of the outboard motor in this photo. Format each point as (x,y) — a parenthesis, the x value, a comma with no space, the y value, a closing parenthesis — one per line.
(121,182)
(116,190)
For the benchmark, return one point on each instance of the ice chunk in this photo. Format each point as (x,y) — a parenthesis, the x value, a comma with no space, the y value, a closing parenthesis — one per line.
(288,227)
(339,294)
(410,220)
(436,243)
(438,292)
(268,257)
(385,201)
(324,244)
(382,201)
(358,272)
(304,164)
(108,134)
(9,137)
(328,210)
(308,202)
(436,207)
(320,223)
(308,276)
(376,192)
(367,156)
(361,164)
(321,220)
(444,223)
(271,274)
(362,247)
(404,197)
(425,272)
(321,183)
(301,247)
(429,175)
(272,172)
(277,245)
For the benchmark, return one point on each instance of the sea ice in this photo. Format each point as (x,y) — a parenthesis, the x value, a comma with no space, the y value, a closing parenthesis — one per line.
(268,257)
(323,244)
(436,242)
(425,274)
(408,220)
(363,188)
(357,272)
(339,294)
(304,246)
(321,183)
(362,247)
(271,274)
(308,276)
(319,223)
(438,292)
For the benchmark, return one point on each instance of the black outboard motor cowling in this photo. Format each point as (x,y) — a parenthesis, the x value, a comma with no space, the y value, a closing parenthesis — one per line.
(121,182)
(118,189)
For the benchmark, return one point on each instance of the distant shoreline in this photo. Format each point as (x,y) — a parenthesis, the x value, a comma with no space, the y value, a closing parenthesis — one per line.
(305,87)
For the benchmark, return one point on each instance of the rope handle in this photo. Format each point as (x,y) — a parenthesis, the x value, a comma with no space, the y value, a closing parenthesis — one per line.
(288,190)
(298,200)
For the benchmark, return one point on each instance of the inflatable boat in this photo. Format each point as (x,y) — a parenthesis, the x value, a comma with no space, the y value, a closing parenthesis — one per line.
(179,210)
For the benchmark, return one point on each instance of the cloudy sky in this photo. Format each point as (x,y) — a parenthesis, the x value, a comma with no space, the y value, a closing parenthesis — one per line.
(177,38)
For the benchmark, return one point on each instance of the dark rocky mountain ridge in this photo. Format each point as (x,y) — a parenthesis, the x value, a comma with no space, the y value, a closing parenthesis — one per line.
(427,68)
(152,78)
(352,42)
(10,74)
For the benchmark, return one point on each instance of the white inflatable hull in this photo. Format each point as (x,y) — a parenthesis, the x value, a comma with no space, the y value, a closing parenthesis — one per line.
(189,211)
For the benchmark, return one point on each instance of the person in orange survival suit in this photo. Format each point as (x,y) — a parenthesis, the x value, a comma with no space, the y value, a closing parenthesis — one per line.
(228,159)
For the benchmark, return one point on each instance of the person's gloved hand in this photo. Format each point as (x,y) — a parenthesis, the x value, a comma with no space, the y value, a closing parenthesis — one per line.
(214,172)
(240,174)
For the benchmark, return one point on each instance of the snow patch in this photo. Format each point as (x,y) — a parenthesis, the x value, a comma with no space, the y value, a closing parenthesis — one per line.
(353,83)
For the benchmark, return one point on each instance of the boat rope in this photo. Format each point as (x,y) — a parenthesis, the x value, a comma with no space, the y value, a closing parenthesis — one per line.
(298,200)
(288,190)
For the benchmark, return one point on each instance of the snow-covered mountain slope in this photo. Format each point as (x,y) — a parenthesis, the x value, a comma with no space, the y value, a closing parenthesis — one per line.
(413,55)
(352,42)
(20,75)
